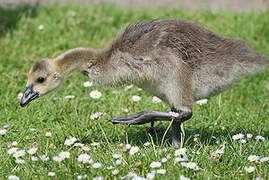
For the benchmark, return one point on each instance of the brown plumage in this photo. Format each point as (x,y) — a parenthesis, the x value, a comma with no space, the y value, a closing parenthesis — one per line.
(176,60)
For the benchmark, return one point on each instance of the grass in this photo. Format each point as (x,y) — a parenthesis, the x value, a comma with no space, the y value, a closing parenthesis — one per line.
(242,109)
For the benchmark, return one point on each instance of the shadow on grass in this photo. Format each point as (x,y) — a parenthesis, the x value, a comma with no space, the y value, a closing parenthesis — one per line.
(9,17)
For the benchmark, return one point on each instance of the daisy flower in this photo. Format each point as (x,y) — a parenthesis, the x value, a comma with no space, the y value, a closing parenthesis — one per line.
(238,136)
(96,165)
(155,164)
(20,95)
(78,145)
(14,143)
(264,159)
(69,97)
(84,158)
(134,150)
(44,158)
(183,178)
(128,87)
(19,153)
(95,94)
(85,148)
(136,98)
(250,169)
(161,171)
(34,158)
(20,161)
(57,159)
(98,178)
(150,176)
(40,27)
(125,110)
(252,158)
(12,150)
(146,143)
(13,177)
(87,84)
(173,114)
(51,174)
(3,131)
(201,102)
(96,115)
(118,162)
(115,172)
(155,99)
(32,150)
(249,135)
(116,156)
(48,134)
(181,151)
(176,160)
(260,138)
(128,146)
(64,155)
(95,143)
(82,176)
(164,160)
(190,165)
(70,141)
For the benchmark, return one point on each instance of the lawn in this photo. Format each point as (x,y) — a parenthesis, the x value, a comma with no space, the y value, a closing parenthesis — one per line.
(30,33)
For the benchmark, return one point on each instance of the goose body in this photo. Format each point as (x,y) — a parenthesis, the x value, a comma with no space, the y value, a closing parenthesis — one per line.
(174,59)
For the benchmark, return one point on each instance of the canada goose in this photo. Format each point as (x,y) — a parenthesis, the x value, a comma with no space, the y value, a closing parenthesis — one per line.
(174,59)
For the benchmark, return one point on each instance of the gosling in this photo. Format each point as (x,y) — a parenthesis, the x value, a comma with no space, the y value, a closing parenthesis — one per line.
(176,60)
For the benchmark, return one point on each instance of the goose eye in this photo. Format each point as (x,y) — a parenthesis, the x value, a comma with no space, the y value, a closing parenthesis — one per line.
(40,79)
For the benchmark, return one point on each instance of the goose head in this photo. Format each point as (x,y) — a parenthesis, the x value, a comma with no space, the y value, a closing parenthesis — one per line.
(42,78)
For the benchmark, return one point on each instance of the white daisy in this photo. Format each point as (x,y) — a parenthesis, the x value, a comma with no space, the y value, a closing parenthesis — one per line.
(155,164)
(238,136)
(182,177)
(82,176)
(64,155)
(115,171)
(12,150)
(190,165)
(70,141)
(44,158)
(128,146)
(116,156)
(134,150)
(20,95)
(95,94)
(146,143)
(155,99)
(57,159)
(109,167)
(85,148)
(249,135)
(34,158)
(87,84)
(3,131)
(32,150)
(161,171)
(98,178)
(259,137)
(20,161)
(95,143)
(136,98)
(69,97)
(96,165)
(118,162)
(84,158)
(48,134)
(179,159)
(250,169)
(51,174)
(264,159)
(252,158)
(41,27)
(173,114)
(19,153)
(164,160)
(150,176)
(14,143)
(181,151)
(96,115)
(201,102)
(13,177)
(128,87)
(78,145)
(125,110)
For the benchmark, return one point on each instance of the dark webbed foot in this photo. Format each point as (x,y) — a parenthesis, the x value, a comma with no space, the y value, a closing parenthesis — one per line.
(142,118)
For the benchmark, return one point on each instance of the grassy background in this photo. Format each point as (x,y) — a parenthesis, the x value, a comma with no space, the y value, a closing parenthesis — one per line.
(244,108)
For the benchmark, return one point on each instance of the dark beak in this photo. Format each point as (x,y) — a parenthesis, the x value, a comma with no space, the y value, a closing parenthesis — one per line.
(28,96)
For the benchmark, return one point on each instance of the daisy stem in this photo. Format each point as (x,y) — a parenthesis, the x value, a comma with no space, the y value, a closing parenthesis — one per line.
(167,131)
(182,137)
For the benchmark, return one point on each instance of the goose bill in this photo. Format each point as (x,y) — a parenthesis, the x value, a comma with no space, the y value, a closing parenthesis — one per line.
(28,96)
